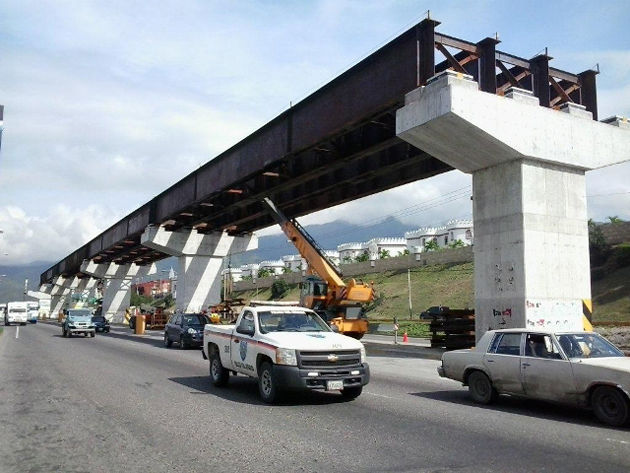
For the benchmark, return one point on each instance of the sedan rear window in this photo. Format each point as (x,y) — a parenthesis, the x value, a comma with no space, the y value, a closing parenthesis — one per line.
(506,344)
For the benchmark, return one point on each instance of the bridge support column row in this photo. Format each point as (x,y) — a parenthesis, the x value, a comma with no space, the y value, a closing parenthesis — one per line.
(117,285)
(528,164)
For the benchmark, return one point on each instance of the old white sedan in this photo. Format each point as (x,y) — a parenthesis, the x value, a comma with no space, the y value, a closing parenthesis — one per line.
(581,368)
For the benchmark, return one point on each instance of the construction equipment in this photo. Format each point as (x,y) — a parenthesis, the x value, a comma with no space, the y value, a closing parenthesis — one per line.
(341,304)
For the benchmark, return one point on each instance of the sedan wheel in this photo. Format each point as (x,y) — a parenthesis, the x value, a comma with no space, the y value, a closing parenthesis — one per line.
(610,406)
(167,341)
(481,389)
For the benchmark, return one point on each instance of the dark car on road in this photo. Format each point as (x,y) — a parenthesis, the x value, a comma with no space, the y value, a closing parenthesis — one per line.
(100,323)
(185,329)
(433,312)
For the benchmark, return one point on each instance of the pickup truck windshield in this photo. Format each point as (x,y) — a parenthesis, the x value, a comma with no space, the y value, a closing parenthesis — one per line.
(291,321)
(587,345)
(73,314)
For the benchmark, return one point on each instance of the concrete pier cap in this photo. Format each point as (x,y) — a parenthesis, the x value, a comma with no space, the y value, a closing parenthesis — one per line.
(528,164)
(200,258)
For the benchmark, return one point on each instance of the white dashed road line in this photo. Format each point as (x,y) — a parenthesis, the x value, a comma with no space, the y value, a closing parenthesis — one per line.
(623,442)
(17,332)
(380,395)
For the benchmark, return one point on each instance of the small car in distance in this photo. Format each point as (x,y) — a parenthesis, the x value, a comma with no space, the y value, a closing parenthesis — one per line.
(101,324)
(185,329)
(78,321)
(433,312)
(580,368)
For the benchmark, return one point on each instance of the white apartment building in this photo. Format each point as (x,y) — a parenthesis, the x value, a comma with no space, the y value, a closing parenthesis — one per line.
(454,230)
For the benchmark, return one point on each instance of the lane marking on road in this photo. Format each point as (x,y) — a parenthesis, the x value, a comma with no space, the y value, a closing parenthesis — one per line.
(381,395)
(623,442)
(17,332)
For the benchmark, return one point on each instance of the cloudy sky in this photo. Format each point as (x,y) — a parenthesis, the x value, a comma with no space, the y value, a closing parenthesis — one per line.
(109,102)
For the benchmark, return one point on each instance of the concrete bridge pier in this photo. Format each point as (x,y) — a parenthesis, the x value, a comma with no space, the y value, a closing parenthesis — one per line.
(117,284)
(200,261)
(58,292)
(528,164)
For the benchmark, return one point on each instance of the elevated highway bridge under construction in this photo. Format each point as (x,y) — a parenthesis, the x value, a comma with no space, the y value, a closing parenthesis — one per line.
(526,131)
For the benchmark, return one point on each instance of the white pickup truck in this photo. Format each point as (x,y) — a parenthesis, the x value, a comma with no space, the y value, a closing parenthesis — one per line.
(286,348)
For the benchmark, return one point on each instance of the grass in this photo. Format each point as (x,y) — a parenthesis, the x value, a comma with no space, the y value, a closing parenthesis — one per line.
(453,286)
(611,297)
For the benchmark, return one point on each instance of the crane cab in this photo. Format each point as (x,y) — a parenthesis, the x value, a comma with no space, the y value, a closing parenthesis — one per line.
(313,293)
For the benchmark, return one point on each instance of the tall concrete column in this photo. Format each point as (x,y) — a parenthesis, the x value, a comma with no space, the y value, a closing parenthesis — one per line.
(200,261)
(117,284)
(58,293)
(528,164)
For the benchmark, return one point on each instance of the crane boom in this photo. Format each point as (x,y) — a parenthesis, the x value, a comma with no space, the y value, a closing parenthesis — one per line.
(307,247)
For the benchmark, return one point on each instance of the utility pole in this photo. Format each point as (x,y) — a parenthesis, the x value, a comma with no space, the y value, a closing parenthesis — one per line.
(25,287)
(409,292)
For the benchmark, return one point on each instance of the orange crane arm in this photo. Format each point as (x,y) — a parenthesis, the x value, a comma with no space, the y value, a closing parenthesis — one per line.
(307,247)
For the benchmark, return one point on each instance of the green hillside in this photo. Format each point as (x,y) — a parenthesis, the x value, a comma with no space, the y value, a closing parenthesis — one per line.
(453,286)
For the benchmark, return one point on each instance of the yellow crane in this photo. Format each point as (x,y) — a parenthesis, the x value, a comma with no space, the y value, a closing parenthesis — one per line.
(341,304)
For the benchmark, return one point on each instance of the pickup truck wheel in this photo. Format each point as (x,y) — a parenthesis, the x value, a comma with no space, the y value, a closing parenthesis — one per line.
(92,334)
(267,384)
(481,389)
(610,406)
(352,393)
(167,341)
(218,373)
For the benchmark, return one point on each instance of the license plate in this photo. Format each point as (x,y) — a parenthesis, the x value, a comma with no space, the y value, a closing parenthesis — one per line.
(334,385)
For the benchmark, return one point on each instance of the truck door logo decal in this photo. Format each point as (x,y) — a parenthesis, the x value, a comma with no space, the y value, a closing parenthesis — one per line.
(243,349)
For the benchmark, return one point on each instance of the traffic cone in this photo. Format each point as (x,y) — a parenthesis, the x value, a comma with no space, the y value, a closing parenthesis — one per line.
(405,337)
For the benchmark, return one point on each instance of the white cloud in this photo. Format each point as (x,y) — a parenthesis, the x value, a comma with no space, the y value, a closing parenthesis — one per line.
(107,103)
(27,238)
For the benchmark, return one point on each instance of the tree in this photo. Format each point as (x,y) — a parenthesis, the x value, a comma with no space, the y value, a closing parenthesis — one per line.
(598,246)
(265,272)
(383,254)
(431,245)
(249,277)
(279,288)
(406,252)
(614,219)
(362,257)
(138,300)
(286,270)
(456,244)
(346,259)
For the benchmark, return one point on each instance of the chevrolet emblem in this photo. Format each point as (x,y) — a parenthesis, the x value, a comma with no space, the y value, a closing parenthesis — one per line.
(332,357)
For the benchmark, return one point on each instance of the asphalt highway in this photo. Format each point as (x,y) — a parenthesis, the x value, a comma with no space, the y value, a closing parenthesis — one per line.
(115,403)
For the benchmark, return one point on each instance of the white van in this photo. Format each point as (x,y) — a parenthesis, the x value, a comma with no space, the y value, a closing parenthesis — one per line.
(17,313)
(33,311)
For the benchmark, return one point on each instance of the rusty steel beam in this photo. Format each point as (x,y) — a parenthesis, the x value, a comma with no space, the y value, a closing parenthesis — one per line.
(425,38)
(540,69)
(337,144)
(588,91)
(451,60)
(488,65)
